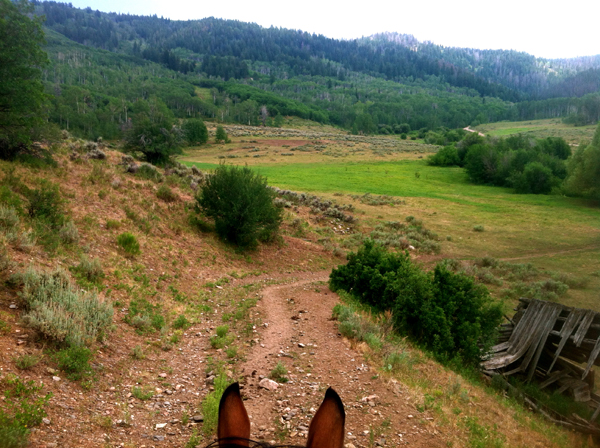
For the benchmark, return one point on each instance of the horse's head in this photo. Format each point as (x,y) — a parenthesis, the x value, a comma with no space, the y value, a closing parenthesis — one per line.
(326,429)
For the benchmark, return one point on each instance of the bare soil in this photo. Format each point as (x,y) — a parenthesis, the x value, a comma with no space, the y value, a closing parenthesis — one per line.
(301,334)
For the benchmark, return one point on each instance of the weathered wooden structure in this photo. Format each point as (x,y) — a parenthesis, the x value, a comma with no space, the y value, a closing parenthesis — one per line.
(555,345)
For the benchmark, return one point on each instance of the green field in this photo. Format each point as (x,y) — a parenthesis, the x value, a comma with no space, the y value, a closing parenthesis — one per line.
(554,233)
(540,128)
(571,223)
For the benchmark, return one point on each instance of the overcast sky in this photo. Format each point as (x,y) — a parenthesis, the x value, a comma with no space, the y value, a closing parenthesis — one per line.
(548,29)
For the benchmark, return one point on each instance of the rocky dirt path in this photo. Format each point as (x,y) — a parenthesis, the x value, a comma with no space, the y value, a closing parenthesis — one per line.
(298,332)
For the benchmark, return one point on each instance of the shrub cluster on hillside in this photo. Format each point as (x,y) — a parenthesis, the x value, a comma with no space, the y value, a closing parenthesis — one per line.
(528,165)
(448,313)
(241,203)
(60,312)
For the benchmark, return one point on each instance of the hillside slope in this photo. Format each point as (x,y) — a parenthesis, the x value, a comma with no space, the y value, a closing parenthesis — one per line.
(143,376)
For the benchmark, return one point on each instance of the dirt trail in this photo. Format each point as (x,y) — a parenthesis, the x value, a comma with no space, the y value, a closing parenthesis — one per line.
(299,333)
(468,129)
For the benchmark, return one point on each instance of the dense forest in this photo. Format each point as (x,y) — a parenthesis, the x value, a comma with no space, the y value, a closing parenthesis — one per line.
(106,68)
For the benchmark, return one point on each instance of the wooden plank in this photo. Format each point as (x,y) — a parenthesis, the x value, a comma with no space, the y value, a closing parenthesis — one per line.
(583,327)
(566,384)
(596,413)
(544,332)
(523,329)
(594,326)
(546,317)
(500,347)
(520,340)
(574,318)
(559,374)
(581,393)
(592,358)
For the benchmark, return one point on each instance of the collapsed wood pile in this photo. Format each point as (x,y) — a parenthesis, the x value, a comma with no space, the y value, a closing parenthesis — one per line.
(546,341)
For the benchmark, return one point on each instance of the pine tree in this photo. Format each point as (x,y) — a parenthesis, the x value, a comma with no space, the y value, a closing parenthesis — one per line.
(22,97)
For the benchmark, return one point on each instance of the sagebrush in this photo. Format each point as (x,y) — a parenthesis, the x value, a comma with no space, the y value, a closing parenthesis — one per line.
(60,312)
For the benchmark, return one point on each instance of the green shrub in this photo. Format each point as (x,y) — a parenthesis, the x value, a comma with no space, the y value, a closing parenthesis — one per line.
(22,409)
(8,197)
(68,233)
(478,228)
(446,312)
(145,317)
(395,360)
(222,331)
(157,139)
(12,434)
(447,156)
(195,131)
(571,281)
(90,270)
(5,260)
(221,339)
(149,172)
(4,327)
(9,219)
(279,373)
(231,352)
(221,135)
(26,361)
(46,204)
(536,178)
(112,224)
(60,312)
(549,289)
(138,352)
(75,362)
(142,393)
(241,204)
(129,243)
(166,194)
(181,322)
(373,341)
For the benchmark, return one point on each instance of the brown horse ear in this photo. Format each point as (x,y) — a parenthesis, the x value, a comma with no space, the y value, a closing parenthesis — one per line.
(327,426)
(234,423)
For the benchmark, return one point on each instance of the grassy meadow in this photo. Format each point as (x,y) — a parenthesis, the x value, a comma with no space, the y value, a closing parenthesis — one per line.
(553,127)
(554,233)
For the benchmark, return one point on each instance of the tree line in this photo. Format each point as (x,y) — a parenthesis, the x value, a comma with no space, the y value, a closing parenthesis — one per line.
(528,165)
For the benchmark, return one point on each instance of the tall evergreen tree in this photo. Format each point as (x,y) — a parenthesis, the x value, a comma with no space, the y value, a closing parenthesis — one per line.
(22,95)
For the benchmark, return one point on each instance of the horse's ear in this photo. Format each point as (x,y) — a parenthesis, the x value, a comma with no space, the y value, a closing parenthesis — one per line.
(234,424)
(327,426)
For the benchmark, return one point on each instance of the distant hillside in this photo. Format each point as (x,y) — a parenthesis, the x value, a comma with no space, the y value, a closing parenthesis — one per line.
(536,78)
(105,66)
(185,45)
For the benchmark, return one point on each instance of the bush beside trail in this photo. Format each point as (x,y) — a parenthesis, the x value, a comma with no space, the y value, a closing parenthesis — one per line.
(448,313)
(241,204)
